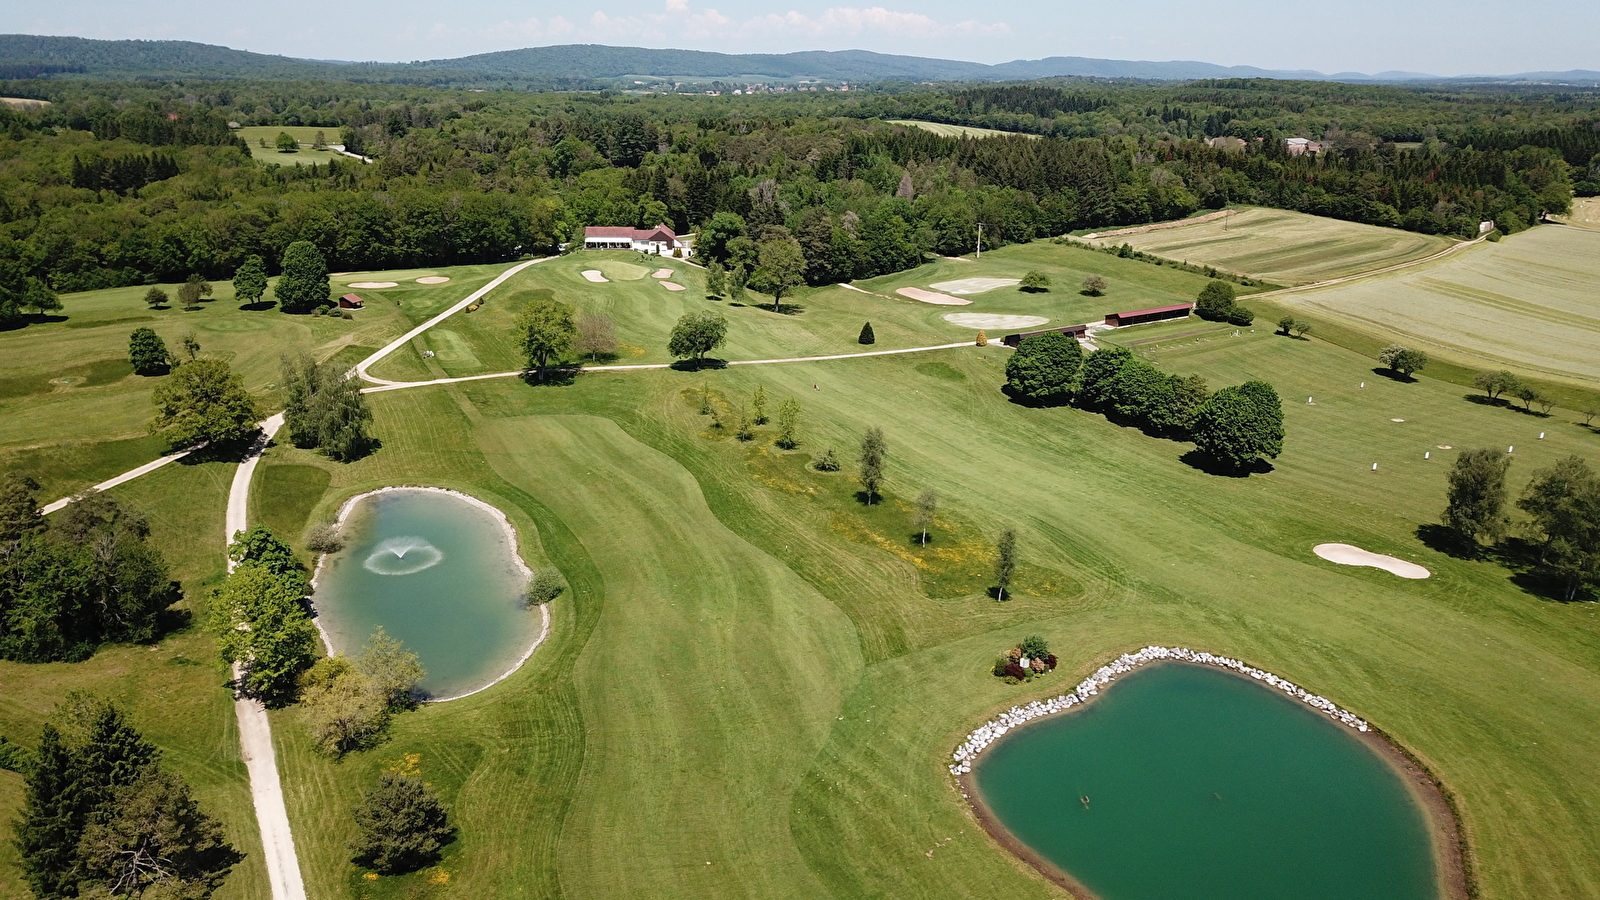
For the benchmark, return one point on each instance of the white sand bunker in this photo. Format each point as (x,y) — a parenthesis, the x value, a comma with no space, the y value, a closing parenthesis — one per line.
(1397,420)
(661,273)
(432,279)
(673,287)
(989,320)
(1445,447)
(373,285)
(975,285)
(1347,555)
(931,297)
(595,276)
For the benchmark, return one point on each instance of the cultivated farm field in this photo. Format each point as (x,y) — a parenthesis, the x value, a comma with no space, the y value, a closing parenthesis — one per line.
(944,130)
(1284,247)
(1528,301)
(754,682)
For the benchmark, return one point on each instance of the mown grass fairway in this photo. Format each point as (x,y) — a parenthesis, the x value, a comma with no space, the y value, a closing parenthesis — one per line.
(72,413)
(944,130)
(1284,247)
(1528,301)
(753,684)
(306,135)
(1585,213)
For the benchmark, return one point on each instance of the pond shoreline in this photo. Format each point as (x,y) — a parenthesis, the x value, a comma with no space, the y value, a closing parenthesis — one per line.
(1448,846)
(516,555)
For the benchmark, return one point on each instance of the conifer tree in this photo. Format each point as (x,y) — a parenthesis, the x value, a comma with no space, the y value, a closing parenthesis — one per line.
(867,337)
(51,824)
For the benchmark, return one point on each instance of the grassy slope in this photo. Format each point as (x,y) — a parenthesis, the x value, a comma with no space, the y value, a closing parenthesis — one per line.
(73,414)
(644,312)
(1527,301)
(695,695)
(1285,247)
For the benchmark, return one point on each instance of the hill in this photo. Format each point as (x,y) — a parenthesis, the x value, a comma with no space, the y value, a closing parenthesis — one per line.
(583,65)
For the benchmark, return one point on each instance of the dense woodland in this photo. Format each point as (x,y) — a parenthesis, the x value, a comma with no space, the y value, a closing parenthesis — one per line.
(129,183)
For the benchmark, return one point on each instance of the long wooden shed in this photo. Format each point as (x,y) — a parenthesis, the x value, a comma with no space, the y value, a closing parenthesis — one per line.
(1077,331)
(1156,314)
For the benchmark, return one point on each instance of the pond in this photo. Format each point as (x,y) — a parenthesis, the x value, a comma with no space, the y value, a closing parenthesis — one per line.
(440,572)
(1187,781)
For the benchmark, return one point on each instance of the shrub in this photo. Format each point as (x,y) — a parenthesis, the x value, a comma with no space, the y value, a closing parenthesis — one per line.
(1050,661)
(1015,670)
(1033,282)
(1034,647)
(1094,285)
(325,538)
(828,463)
(1240,315)
(544,587)
(1001,663)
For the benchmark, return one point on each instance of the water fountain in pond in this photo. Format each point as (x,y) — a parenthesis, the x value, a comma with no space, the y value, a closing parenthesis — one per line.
(403,556)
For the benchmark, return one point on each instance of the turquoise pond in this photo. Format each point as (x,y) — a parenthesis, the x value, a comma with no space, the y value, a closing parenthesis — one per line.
(1204,785)
(437,571)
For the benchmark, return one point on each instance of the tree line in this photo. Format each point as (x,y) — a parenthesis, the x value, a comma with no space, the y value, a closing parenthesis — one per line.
(1237,428)
(464,178)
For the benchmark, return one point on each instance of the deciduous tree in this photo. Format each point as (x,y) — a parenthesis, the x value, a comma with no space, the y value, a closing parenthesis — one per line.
(190,292)
(1215,301)
(1402,360)
(873,453)
(395,671)
(596,334)
(303,283)
(1477,496)
(324,408)
(261,623)
(1034,282)
(155,298)
(1044,368)
(250,280)
(780,268)
(922,516)
(204,400)
(1564,502)
(697,334)
(1240,425)
(343,707)
(545,586)
(788,423)
(1093,285)
(148,352)
(544,331)
(1005,563)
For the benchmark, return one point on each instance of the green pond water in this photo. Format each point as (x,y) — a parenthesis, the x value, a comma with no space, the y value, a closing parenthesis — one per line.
(437,572)
(1203,785)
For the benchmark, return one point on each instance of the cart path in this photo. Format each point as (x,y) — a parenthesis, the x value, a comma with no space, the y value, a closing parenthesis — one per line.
(129,475)
(397,343)
(399,385)
(255,730)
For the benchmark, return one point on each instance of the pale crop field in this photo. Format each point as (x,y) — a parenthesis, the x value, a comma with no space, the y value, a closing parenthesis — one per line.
(1285,247)
(944,130)
(1529,300)
(1585,213)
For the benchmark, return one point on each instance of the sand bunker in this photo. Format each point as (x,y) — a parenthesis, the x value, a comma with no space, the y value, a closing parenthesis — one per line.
(1397,420)
(975,285)
(1347,555)
(931,297)
(989,320)
(373,285)
(673,287)
(595,276)
(432,279)
(661,273)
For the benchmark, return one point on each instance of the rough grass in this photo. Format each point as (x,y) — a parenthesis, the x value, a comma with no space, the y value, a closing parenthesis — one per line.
(1284,247)
(1527,302)
(1585,213)
(744,698)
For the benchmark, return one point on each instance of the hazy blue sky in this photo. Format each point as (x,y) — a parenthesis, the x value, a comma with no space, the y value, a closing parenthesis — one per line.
(1446,38)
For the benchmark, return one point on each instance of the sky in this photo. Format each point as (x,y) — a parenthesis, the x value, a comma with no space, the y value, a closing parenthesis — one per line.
(1432,36)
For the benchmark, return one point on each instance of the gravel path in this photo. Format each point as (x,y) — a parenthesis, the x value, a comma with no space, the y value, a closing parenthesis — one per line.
(255,731)
(129,475)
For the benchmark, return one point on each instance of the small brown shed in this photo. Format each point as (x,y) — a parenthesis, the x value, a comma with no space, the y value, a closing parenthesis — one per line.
(350,301)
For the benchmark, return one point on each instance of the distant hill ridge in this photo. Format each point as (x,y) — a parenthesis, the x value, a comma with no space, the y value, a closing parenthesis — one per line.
(28,56)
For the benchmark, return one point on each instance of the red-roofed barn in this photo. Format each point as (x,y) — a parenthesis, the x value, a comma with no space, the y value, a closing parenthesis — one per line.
(1141,316)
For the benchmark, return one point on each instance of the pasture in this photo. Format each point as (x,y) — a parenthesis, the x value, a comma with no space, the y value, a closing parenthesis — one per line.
(1527,302)
(754,681)
(306,135)
(1284,247)
(945,130)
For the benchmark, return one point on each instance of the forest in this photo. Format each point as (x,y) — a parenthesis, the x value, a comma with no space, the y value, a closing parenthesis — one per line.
(119,183)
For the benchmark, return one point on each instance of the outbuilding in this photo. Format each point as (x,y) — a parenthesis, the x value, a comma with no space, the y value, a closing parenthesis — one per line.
(1074,331)
(1157,314)
(659,240)
(350,301)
